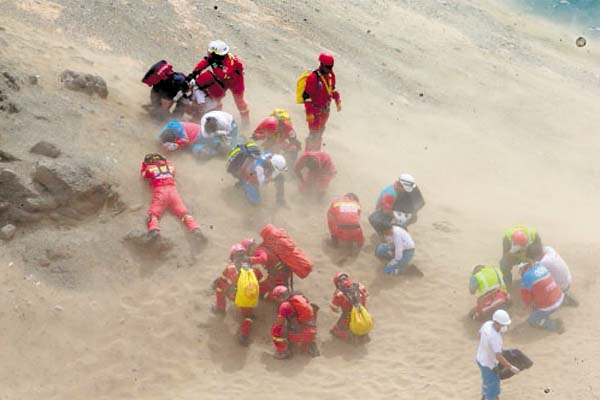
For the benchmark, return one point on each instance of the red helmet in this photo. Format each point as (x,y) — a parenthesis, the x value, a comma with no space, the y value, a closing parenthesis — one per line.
(278,291)
(326,59)
(247,243)
(339,277)
(236,249)
(519,238)
(271,124)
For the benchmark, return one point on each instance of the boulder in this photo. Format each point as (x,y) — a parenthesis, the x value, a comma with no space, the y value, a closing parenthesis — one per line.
(45,149)
(74,186)
(83,82)
(7,232)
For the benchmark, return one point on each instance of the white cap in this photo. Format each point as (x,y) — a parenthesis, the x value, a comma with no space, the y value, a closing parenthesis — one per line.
(278,163)
(501,317)
(218,47)
(407,181)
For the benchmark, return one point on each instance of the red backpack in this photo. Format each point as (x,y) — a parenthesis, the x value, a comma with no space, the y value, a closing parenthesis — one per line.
(291,255)
(304,311)
(158,72)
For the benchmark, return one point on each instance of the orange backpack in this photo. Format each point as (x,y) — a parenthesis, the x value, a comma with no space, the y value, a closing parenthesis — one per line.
(304,311)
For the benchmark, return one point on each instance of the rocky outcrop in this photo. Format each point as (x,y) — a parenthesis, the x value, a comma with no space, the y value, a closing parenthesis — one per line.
(74,186)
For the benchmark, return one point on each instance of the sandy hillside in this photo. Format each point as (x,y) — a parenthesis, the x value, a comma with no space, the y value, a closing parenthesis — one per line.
(494,113)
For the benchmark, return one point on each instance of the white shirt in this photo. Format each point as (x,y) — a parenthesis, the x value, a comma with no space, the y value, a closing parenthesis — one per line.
(490,344)
(400,240)
(557,267)
(224,122)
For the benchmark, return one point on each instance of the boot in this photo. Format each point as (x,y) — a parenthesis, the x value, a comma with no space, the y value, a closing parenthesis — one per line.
(216,311)
(282,356)
(244,340)
(199,236)
(313,350)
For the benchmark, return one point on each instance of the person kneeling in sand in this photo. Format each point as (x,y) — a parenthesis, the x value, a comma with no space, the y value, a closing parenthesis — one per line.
(488,284)
(296,323)
(540,292)
(398,249)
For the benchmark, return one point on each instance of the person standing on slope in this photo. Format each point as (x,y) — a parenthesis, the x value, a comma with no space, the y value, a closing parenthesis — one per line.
(489,354)
(319,91)
(220,67)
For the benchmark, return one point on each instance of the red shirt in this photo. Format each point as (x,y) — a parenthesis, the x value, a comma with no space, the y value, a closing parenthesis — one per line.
(326,165)
(279,273)
(161,173)
(340,300)
(230,75)
(321,89)
(345,211)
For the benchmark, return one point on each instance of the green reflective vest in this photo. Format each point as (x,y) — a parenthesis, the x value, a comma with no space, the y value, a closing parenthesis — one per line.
(489,278)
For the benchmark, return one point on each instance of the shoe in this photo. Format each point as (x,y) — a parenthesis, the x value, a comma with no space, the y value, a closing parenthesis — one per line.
(282,356)
(244,340)
(560,326)
(216,311)
(199,235)
(313,350)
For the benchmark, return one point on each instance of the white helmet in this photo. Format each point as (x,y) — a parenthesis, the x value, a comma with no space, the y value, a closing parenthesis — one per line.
(218,47)
(278,163)
(501,317)
(407,181)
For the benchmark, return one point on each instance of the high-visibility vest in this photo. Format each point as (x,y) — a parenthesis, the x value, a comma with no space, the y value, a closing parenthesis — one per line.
(489,278)
(530,232)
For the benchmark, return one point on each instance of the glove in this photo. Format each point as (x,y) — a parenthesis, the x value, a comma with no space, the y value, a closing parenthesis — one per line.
(514,369)
(170,146)
(310,118)
(338,105)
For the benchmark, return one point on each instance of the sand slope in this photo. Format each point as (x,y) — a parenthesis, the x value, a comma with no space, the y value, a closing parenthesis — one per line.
(504,133)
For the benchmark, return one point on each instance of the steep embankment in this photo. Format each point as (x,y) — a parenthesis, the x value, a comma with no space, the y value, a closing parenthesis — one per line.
(492,112)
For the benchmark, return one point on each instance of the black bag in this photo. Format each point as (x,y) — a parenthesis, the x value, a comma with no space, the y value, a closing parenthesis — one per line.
(239,155)
(516,358)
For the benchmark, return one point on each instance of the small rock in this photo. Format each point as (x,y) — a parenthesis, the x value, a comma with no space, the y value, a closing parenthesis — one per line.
(10,264)
(37,204)
(44,262)
(87,83)
(581,41)
(11,81)
(33,79)
(7,232)
(45,149)
(4,205)
(58,308)
(13,108)
(7,157)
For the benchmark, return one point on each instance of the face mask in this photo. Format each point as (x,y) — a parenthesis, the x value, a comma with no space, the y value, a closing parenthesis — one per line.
(504,329)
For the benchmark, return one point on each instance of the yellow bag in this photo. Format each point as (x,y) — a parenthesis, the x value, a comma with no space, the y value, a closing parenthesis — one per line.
(246,294)
(361,321)
(282,114)
(300,85)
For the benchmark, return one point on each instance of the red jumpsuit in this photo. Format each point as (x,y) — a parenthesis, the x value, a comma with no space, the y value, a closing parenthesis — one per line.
(225,287)
(343,219)
(277,272)
(229,76)
(286,329)
(340,301)
(279,135)
(318,92)
(164,195)
(318,178)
